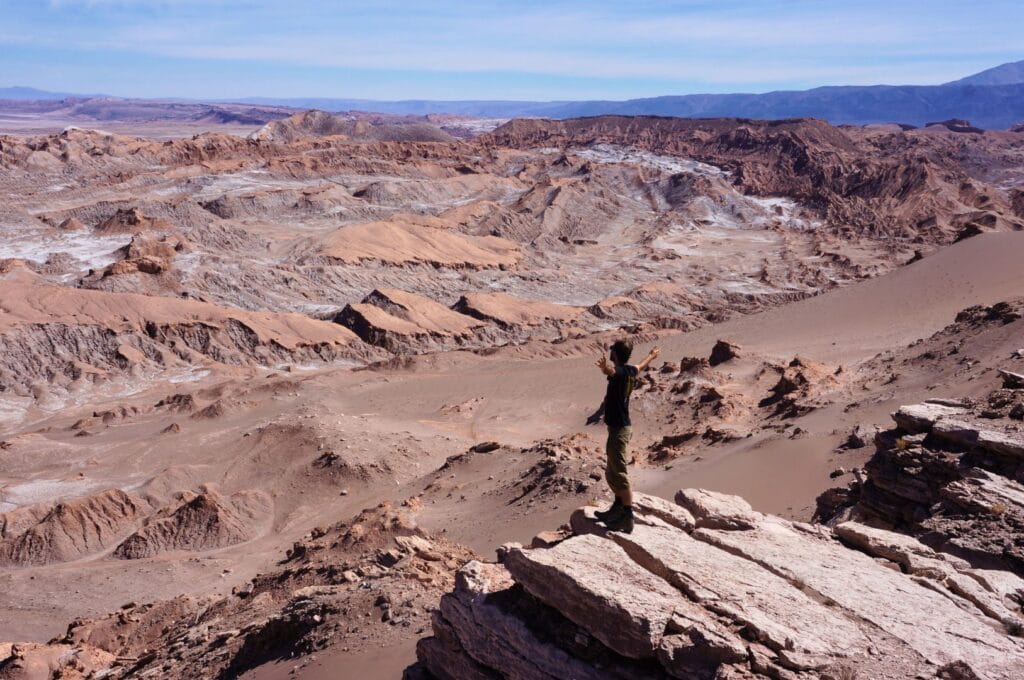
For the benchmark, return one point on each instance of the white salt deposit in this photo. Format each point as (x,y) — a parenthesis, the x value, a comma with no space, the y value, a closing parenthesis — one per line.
(36,242)
(44,490)
(191,374)
(732,210)
(610,153)
(13,410)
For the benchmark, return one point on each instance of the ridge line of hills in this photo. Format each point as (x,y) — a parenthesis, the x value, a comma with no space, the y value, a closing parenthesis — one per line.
(991,99)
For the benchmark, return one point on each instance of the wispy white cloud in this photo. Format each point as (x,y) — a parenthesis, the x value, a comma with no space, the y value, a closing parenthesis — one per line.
(712,45)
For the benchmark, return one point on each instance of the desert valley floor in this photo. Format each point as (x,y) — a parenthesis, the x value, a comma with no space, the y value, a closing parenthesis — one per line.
(321,364)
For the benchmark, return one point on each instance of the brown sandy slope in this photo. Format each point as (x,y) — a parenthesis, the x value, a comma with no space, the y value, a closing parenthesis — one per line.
(27,303)
(402,243)
(506,310)
(907,304)
(57,335)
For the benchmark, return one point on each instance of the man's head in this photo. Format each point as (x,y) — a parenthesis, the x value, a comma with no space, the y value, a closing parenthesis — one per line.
(621,351)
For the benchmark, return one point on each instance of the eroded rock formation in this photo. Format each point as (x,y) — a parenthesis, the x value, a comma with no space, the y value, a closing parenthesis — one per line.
(951,473)
(707,587)
(378,569)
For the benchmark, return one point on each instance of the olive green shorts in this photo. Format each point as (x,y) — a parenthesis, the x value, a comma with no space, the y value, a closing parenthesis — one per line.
(618,452)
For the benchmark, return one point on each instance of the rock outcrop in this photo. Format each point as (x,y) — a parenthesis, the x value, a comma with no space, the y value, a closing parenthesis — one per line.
(204,521)
(956,125)
(723,351)
(509,311)
(367,127)
(406,323)
(520,319)
(801,382)
(378,571)
(888,189)
(146,255)
(949,477)
(708,587)
(70,530)
(417,241)
(661,303)
(56,335)
(132,220)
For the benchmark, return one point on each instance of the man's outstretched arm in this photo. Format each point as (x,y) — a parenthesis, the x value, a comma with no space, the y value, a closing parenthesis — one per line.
(651,356)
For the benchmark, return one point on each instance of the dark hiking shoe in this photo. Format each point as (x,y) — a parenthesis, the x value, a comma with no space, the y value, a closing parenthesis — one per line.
(623,522)
(610,513)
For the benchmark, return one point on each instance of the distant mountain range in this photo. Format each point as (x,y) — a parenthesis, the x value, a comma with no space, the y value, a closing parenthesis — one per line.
(992,99)
(32,94)
(1007,74)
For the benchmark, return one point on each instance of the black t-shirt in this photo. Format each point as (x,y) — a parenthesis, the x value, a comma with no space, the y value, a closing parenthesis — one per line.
(616,399)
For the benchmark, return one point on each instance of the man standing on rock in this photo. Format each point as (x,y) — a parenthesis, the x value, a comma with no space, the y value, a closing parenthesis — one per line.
(621,381)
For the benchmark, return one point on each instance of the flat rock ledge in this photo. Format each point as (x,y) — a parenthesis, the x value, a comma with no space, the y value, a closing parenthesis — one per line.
(708,588)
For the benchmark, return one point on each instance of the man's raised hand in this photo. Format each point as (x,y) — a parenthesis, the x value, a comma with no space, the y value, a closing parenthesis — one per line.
(651,356)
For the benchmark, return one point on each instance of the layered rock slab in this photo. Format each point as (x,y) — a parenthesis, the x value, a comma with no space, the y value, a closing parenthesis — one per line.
(747,595)
(587,578)
(729,593)
(924,621)
(473,615)
(951,476)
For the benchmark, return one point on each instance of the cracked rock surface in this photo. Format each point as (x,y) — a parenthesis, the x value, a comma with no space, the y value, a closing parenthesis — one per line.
(731,594)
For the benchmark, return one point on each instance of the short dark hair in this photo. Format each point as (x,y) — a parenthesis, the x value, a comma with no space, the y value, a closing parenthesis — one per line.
(622,349)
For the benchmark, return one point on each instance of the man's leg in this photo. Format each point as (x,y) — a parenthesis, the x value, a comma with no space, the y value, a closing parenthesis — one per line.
(618,479)
(620,454)
(625,497)
(610,477)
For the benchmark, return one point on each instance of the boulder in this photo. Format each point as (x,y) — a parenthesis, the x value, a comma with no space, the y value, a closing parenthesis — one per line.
(722,352)
(860,437)
(1012,380)
(920,417)
(715,510)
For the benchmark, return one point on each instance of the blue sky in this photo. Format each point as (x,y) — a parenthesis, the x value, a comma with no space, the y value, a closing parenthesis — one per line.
(480,49)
